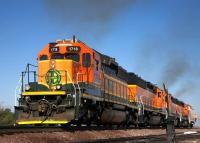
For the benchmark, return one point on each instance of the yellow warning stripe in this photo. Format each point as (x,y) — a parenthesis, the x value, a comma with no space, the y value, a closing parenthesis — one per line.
(44,93)
(41,122)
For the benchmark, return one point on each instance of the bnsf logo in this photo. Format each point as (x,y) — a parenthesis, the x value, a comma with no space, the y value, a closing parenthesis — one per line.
(53,77)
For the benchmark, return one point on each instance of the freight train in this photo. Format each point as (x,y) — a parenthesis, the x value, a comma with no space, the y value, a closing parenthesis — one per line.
(76,84)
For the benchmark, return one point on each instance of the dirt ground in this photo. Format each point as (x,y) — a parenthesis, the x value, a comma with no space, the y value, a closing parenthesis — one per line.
(65,137)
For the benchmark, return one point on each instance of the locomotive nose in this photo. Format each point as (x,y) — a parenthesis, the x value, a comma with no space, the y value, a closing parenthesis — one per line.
(57,74)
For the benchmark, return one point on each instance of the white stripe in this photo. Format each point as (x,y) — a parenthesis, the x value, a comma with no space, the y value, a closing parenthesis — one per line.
(57,45)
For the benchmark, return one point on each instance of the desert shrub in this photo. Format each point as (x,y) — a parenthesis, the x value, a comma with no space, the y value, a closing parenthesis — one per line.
(6,116)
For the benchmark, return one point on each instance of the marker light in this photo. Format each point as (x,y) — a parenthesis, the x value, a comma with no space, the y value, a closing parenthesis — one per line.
(58,87)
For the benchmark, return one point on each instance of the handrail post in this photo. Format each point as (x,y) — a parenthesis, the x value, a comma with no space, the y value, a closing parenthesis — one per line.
(28,72)
(22,86)
(34,76)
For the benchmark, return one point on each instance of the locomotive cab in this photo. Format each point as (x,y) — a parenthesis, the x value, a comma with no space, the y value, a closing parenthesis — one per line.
(61,64)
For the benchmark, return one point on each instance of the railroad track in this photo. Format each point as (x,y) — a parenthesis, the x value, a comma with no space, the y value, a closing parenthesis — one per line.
(136,139)
(7,130)
(28,129)
(36,129)
(147,139)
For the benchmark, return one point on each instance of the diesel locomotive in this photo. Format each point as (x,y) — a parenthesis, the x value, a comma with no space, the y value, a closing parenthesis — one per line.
(75,84)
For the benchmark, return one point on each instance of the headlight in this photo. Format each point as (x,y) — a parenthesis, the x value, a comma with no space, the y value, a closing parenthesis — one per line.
(28,99)
(27,87)
(58,87)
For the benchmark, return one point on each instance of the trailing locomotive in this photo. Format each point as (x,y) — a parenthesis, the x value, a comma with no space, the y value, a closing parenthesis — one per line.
(78,85)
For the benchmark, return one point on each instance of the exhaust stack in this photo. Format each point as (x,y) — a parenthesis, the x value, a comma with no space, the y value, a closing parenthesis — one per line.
(74,39)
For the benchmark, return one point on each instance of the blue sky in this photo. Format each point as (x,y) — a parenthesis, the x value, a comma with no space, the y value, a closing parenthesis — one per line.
(158,40)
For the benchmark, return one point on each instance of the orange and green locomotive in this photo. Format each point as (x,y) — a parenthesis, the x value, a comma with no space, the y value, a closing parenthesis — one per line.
(75,84)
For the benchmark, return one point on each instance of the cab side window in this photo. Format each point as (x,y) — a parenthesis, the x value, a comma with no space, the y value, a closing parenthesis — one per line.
(97,64)
(43,57)
(159,94)
(86,60)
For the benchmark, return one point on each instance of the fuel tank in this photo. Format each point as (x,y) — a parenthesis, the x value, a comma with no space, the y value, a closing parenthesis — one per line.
(110,116)
(155,120)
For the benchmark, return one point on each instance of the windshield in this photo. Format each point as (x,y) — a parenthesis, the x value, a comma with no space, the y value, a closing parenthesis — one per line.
(72,56)
(68,56)
(57,56)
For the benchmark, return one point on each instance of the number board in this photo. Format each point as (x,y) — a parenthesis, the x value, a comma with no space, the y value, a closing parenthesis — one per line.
(73,49)
(54,49)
